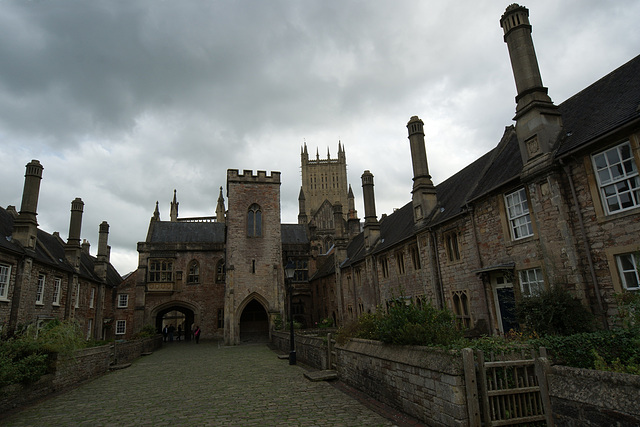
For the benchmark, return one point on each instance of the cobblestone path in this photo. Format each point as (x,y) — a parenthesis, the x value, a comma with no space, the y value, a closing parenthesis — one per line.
(185,384)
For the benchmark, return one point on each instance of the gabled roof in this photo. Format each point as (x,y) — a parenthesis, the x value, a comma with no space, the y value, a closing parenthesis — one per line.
(186,232)
(396,227)
(607,104)
(50,250)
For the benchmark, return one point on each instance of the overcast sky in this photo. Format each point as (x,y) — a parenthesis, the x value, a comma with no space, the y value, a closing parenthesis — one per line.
(125,101)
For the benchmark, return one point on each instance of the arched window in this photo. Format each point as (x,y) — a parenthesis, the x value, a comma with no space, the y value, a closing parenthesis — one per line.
(194,272)
(220,272)
(254,221)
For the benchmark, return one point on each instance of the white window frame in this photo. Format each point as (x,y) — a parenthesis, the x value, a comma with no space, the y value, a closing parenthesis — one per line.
(518,214)
(5,277)
(57,287)
(531,282)
(629,270)
(40,289)
(92,298)
(121,327)
(617,175)
(123,300)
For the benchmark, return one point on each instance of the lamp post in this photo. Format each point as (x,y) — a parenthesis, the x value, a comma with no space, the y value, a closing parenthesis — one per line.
(289,271)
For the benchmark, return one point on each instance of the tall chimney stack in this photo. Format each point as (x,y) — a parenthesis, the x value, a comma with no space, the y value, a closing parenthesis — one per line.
(424,192)
(25,226)
(72,248)
(103,251)
(538,122)
(371,224)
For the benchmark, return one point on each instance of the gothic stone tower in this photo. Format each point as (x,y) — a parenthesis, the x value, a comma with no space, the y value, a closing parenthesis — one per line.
(255,290)
(324,180)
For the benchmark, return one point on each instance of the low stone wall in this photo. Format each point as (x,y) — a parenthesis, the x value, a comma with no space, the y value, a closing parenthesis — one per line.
(584,397)
(72,370)
(426,383)
(125,352)
(310,350)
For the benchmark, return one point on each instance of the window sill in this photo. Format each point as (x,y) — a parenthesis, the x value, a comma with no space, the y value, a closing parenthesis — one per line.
(5,300)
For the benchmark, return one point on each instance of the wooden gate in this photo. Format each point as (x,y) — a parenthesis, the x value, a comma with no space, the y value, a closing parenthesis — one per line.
(507,389)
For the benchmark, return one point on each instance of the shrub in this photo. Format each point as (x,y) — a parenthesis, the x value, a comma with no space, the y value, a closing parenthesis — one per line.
(405,325)
(26,357)
(628,309)
(554,312)
(621,345)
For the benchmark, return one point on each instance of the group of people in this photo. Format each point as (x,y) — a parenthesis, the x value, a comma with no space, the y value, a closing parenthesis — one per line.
(169,330)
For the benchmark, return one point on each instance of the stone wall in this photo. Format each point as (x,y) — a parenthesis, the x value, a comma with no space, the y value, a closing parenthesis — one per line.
(427,384)
(310,350)
(424,383)
(584,397)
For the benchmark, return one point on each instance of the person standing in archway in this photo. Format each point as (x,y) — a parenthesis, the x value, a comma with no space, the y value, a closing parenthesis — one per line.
(196,334)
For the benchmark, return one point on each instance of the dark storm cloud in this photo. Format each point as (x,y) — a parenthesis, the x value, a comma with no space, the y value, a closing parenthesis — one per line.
(125,101)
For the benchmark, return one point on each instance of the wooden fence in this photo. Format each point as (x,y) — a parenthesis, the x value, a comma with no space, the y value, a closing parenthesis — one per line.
(507,390)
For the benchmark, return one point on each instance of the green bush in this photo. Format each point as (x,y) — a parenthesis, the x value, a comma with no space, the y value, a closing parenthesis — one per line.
(27,356)
(621,345)
(554,312)
(405,325)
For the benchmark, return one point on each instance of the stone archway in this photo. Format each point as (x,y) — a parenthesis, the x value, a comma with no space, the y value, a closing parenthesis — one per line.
(254,323)
(186,321)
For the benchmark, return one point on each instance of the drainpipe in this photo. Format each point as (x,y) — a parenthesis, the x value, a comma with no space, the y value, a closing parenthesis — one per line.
(592,270)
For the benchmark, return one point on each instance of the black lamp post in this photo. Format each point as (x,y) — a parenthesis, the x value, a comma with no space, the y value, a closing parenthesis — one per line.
(289,271)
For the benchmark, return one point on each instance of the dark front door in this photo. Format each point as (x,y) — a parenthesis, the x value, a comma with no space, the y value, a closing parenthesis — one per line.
(507,303)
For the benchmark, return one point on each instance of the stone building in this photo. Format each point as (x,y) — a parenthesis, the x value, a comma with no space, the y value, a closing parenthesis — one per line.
(43,277)
(555,203)
(223,273)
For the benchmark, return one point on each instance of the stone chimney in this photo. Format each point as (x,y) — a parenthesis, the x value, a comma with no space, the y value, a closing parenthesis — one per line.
(103,255)
(174,208)
(25,226)
(424,192)
(371,224)
(538,122)
(220,210)
(72,248)
(86,247)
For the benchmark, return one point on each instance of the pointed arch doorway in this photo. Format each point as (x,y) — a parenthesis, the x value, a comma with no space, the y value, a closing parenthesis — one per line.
(254,323)
(176,316)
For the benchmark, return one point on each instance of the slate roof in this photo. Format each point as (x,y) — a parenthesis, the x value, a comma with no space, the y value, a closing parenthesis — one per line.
(293,234)
(611,102)
(186,232)
(326,266)
(50,250)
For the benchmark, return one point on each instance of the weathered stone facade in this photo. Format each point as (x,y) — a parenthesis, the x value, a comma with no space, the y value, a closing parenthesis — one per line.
(556,203)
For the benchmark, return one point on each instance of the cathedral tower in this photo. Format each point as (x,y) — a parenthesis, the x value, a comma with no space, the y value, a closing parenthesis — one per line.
(323,180)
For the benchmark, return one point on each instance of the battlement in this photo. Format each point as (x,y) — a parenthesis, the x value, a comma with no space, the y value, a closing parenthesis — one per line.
(234,175)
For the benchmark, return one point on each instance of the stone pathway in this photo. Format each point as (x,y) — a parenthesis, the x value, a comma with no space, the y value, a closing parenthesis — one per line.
(185,384)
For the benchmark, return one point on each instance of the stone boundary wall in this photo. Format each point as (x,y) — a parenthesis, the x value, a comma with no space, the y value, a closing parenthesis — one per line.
(429,384)
(585,397)
(72,370)
(125,352)
(310,350)
(425,383)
